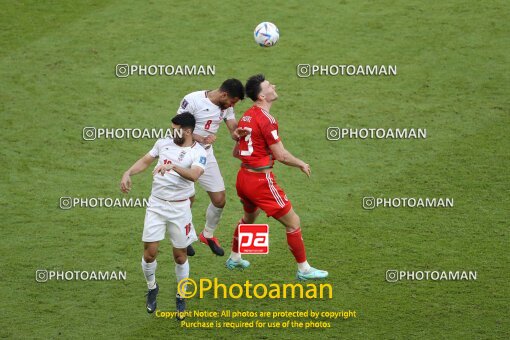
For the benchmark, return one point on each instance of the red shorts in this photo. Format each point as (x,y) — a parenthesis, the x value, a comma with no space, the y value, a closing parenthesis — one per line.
(259,190)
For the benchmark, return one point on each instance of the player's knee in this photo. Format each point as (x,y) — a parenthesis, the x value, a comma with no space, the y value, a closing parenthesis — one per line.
(291,227)
(219,201)
(180,258)
(297,222)
(149,257)
(150,251)
(293,223)
(249,218)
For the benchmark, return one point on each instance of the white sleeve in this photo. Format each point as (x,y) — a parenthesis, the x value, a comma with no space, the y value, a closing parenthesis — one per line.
(187,105)
(154,152)
(199,158)
(230,114)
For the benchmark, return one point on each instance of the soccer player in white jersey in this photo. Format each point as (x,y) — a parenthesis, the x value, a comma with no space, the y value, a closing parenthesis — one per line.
(210,108)
(181,161)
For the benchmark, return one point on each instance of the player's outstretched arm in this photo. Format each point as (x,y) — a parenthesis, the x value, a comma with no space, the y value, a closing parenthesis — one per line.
(139,166)
(191,174)
(284,156)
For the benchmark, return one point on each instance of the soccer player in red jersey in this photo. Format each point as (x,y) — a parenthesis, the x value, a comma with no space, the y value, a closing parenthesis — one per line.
(256,185)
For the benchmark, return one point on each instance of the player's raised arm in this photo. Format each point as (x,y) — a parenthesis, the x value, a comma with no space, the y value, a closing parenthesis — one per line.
(284,156)
(139,166)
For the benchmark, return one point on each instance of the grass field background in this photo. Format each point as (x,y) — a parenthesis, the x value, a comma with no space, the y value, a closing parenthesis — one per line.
(57,63)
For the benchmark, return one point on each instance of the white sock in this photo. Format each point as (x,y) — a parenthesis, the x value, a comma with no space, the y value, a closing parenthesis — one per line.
(182,272)
(236,257)
(212,219)
(303,267)
(149,270)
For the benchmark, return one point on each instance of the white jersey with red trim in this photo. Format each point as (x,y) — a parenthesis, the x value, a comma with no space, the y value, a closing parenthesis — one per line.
(208,116)
(171,186)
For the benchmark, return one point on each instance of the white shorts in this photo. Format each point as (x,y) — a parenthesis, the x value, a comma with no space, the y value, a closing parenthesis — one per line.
(175,217)
(211,180)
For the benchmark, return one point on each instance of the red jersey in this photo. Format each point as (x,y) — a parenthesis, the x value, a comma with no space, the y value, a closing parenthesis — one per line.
(263,131)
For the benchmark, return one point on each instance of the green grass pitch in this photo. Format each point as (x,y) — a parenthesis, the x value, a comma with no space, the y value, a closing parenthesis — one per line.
(57,61)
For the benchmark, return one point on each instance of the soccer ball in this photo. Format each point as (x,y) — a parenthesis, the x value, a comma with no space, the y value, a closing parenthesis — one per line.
(266,34)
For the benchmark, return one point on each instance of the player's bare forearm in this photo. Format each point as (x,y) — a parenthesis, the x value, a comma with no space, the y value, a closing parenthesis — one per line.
(190,174)
(291,160)
(296,162)
(285,157)
(204,140)
(282,155)
(140,165)
(232,127)
(198,138)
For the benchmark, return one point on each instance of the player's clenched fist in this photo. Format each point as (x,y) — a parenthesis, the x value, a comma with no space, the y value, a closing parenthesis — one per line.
(125,183)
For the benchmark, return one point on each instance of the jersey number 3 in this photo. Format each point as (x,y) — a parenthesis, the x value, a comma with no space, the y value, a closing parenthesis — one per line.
(249,143)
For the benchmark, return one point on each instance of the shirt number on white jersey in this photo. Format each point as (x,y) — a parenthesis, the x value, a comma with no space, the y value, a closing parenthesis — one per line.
(207,124)
(248,140)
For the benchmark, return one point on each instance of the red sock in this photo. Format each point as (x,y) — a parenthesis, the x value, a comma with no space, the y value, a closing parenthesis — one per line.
(296,245)
(235,239)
